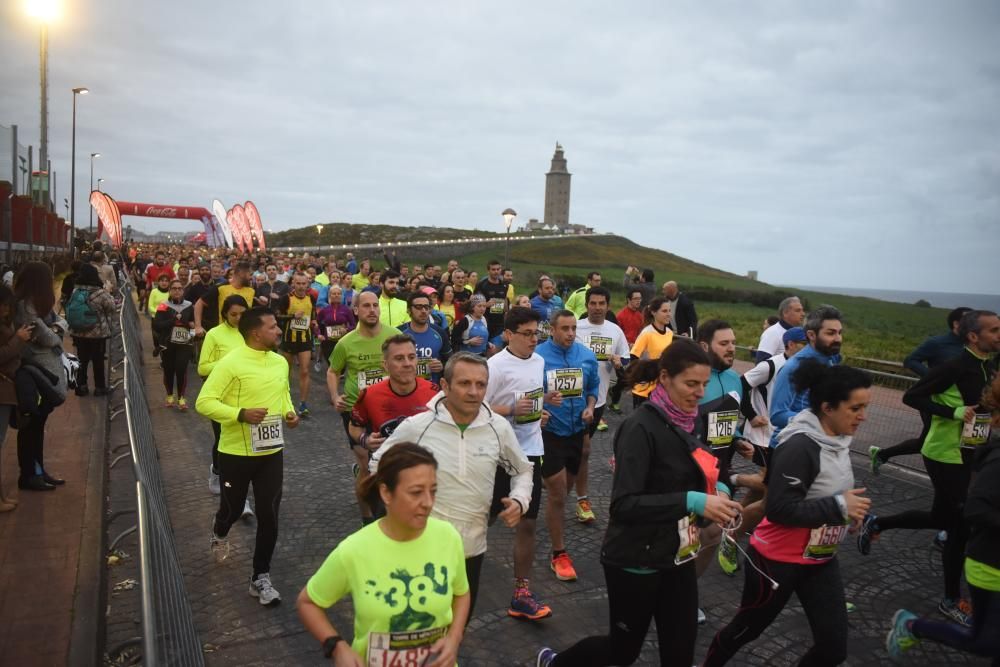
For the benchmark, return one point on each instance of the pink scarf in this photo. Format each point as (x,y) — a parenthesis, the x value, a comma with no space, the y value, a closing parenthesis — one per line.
(680,418)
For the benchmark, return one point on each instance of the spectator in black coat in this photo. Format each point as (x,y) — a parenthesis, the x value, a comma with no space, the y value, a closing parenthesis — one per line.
(683,318)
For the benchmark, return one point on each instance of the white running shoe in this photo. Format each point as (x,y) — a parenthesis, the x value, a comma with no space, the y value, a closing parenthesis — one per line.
(213,481)
(247,510)
(262,589)
(219,547)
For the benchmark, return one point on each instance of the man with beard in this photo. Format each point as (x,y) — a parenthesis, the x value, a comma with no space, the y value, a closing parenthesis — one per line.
(271,290)
(825,332)
(718,415)
(493,288)
(208,309)
(393,309)
(196,290)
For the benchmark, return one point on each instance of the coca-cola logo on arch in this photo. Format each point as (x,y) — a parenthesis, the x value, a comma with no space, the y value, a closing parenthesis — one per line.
(154,211)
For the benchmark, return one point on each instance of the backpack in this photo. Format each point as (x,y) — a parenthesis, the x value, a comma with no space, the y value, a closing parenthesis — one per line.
(80,314)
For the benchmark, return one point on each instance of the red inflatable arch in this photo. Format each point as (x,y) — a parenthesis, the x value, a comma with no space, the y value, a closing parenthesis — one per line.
(110,213)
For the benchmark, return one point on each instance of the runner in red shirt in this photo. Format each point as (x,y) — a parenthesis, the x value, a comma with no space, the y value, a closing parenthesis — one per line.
(381,407)
(158,268)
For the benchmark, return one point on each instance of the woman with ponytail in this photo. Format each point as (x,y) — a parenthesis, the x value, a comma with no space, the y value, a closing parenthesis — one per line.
(666,486)
(811,506)
(654,338)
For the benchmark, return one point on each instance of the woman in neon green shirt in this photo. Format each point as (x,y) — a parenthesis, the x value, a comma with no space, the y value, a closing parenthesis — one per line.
(405,557)
(220,341)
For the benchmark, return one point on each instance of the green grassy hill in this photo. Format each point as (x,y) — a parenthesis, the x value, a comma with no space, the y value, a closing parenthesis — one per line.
(873,328)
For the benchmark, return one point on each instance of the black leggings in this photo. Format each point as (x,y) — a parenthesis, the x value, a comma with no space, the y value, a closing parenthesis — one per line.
(983,638)
(90,350)
(31,445)
(615,393)
(907,447)
(473,568)
(175,359)
(819,589)
(236,473)
(669,596)
(217,432)
(951,486)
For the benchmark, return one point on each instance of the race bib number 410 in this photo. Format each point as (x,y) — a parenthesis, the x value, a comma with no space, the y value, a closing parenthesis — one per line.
(536,396)
(976,432)
(402,649)
(690,539)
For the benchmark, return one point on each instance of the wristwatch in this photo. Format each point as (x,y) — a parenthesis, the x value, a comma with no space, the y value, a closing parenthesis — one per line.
(330,644)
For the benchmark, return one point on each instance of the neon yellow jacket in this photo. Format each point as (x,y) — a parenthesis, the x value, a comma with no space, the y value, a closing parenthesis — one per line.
(244,378)
(156,297)
(219,341)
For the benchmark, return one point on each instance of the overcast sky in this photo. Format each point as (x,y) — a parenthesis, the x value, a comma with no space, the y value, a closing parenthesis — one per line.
(848,144)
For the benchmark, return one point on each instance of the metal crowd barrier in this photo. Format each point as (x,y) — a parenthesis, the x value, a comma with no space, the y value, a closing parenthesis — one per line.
(169,636)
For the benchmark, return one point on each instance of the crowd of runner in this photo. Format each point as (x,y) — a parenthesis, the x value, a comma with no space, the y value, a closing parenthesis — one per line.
(464,400)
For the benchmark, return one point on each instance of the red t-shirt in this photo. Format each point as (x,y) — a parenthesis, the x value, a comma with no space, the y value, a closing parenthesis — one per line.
(381,410)
(631,323)
(153,273)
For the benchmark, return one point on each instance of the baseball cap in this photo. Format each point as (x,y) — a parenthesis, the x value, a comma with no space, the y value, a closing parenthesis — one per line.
(795,334)
(426,289)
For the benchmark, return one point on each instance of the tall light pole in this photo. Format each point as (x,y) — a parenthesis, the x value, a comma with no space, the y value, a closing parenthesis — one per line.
(99,181)
(319,235)
(508,217)
(92,156)
(72,175)
(45,11)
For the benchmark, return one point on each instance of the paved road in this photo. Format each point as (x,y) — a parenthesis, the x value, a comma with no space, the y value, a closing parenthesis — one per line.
(318,510)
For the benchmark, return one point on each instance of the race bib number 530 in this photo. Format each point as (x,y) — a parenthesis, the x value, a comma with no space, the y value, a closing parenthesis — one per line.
(976,432)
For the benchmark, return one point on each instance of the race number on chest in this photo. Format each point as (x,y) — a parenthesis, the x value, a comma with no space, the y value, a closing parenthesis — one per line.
(722,427)
(268,435)
(402,649)
(567,381)
(976,432)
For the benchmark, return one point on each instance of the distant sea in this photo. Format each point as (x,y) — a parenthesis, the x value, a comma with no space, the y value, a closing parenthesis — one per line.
(937,299)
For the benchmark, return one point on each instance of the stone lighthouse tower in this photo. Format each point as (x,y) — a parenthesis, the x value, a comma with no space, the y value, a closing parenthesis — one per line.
(557,191)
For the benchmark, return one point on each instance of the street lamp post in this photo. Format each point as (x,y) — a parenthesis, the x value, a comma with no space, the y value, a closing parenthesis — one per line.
(72,174)
(508,217)
(45,11)
(99,181)
(92,156)
(319,237)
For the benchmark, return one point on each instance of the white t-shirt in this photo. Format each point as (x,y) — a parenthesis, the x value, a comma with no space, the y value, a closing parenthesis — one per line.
(604,340)
(513,378)
(771,340)
(760,396)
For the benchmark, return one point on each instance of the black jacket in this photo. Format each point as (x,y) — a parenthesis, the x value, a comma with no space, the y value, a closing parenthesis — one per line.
(654,470)
(982,508)
(684,319)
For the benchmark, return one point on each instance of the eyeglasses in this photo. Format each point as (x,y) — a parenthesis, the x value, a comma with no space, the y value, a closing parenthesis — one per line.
(420,306)
(528,334)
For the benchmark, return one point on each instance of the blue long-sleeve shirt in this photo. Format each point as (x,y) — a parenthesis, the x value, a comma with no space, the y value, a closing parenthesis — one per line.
(786,400)
(566,419)
(934,351)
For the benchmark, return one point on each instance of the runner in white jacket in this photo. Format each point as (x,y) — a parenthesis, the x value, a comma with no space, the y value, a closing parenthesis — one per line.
(469,441)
